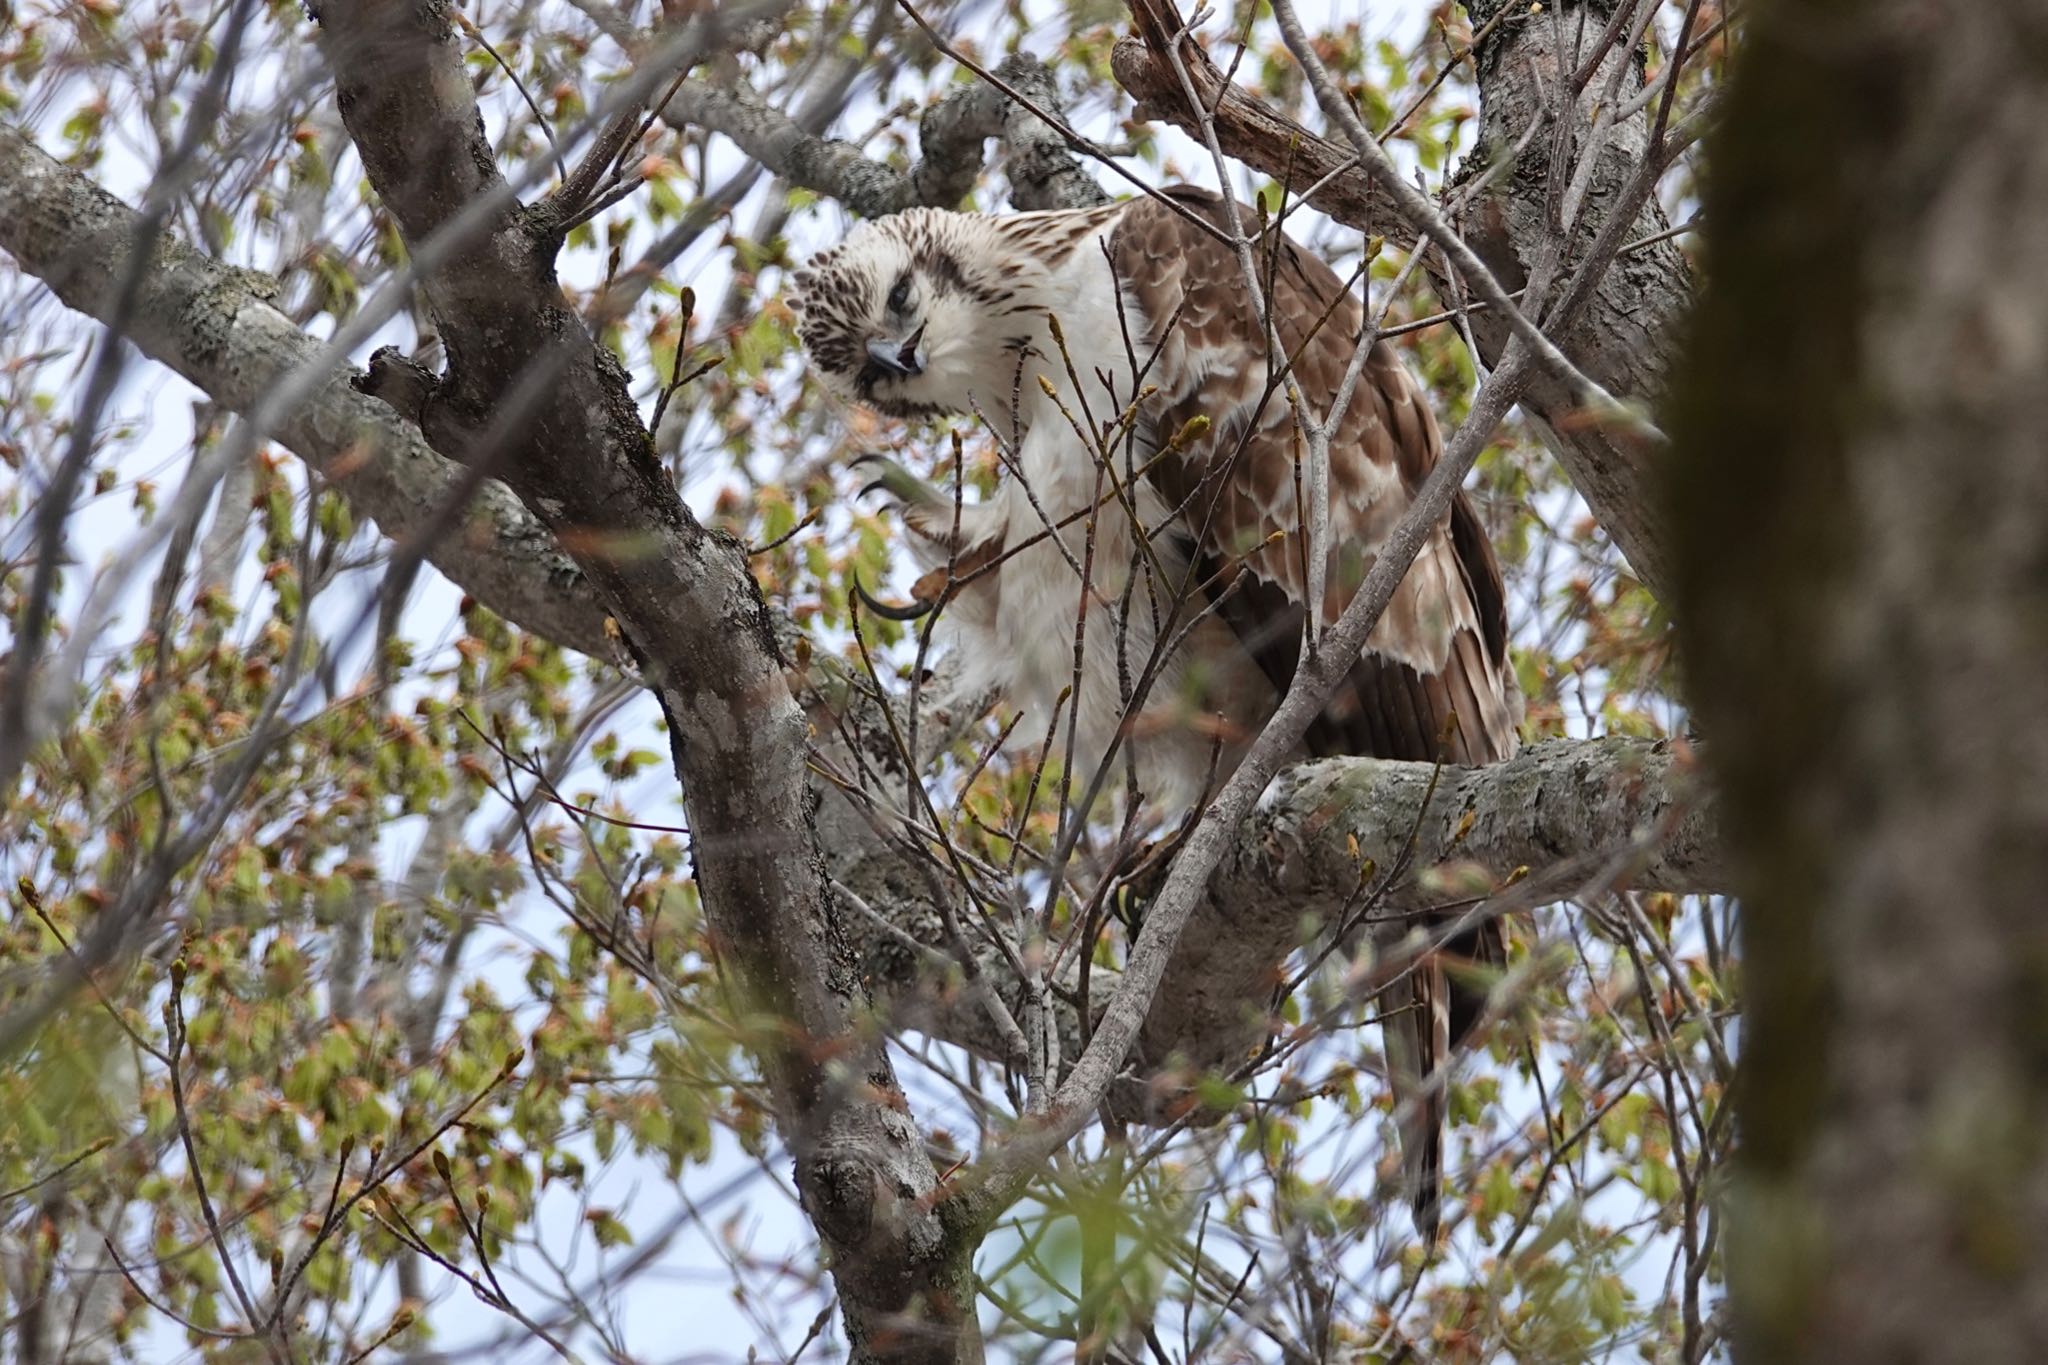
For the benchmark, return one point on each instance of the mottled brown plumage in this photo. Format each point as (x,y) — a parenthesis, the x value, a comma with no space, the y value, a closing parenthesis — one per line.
(1434,681)
(1441,647)
(935,311)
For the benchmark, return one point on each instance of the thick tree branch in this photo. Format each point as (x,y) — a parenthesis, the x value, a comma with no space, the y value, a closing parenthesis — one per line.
(217,326)
(1631,812)
(1624,812)
(774,139)
(1638,803)
(952,133)
(579,455)
(1328,173)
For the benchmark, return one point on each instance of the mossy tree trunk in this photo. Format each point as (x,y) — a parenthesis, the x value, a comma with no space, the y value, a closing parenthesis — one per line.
(1862,490)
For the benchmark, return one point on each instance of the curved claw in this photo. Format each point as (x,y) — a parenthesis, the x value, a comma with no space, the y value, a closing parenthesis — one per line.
(899,483)
(916,611)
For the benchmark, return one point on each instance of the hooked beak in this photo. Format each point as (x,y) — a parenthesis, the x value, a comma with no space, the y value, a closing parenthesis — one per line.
(902,359)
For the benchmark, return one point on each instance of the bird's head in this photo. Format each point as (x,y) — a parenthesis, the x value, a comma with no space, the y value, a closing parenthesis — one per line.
(916,315)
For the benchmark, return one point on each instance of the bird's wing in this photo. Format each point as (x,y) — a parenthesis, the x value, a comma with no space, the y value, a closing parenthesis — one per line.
(1440,650)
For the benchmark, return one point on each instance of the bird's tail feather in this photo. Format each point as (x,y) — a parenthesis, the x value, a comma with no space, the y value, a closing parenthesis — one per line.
(1418,1032)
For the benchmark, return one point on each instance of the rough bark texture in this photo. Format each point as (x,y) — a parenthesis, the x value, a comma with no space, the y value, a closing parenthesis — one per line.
(1251,130)
(1623,336)
(1619,812)
(1864,554)
(951,133)
(1625,812)
(528,388)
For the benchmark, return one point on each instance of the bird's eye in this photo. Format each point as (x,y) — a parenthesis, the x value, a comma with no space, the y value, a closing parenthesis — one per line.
(899,297)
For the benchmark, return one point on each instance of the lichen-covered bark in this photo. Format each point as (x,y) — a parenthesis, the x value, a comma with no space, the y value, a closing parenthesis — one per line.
(216,325)
(1043,175)
(1616,812)
(1863,508)
(1633,803)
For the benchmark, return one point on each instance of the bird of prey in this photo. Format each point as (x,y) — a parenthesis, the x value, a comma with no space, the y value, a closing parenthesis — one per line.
(1142,411)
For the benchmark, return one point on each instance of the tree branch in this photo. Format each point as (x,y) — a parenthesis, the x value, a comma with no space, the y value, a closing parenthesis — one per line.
(952,133)
(217,325)
(1634,810)
(582,459)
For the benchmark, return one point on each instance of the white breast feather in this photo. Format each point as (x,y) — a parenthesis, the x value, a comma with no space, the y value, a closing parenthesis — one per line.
(1022,643)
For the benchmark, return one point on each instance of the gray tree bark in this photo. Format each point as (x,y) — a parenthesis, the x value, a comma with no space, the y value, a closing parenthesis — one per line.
(219,326)
(1862,501)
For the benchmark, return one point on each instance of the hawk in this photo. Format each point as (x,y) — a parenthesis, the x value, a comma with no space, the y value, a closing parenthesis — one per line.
(1122,368)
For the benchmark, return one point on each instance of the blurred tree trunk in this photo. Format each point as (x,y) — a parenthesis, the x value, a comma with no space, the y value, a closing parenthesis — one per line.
(1862,487)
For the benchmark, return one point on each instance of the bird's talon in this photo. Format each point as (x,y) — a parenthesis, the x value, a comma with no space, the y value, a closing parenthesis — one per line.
(916,611)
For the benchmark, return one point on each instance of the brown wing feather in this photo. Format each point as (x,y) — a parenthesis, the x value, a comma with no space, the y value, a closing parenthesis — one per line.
(1439,652)
(1236,486)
